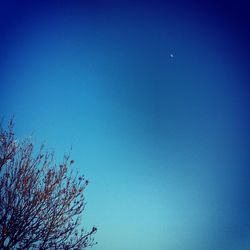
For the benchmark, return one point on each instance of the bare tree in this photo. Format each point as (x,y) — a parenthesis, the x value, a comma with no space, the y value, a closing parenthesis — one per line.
(40,201)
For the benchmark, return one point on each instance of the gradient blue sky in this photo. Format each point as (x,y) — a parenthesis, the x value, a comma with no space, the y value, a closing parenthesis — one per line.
(163,140)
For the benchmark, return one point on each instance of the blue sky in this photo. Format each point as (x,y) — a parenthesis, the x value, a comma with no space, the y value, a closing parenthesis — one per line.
(163,139)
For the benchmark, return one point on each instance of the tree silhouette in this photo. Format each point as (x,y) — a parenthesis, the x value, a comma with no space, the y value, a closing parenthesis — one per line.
(40,201)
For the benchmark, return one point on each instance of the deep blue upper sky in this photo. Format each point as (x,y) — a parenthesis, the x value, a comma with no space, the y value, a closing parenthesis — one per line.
(154,100)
